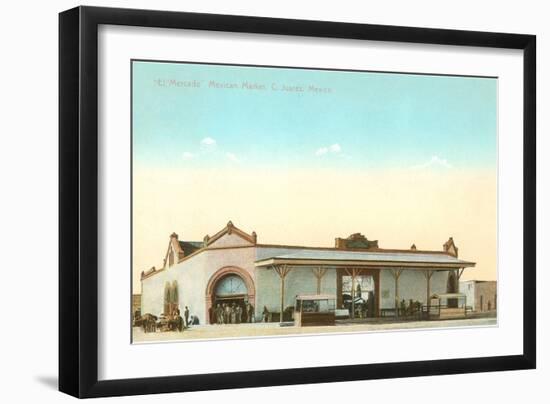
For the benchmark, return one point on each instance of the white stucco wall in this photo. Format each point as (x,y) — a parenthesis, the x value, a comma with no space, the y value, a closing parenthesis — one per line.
(152,292)
(192,283)
(298,281)
(412,285)
(469,289)
(230,240)
(192,276)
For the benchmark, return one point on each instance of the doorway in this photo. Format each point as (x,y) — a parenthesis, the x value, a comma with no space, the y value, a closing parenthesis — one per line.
(229,310)
(358,292)
(230,301)
(229,285)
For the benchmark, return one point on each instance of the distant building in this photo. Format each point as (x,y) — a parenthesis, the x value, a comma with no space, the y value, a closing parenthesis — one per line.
(136,303)
(480,295)
(232,268)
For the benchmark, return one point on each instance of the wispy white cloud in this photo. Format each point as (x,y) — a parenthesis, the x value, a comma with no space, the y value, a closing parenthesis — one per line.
(232,157)
(333,148)
(434,161)
(208,142)
(209,147)
(321,151)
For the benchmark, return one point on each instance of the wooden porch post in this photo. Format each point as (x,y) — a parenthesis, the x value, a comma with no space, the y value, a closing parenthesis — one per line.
(353,273)
(282,271)
(428,274)
(459,273)
(319,272)
(396,273)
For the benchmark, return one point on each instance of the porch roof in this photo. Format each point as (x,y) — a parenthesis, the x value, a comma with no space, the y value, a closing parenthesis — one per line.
(316,297)
(392,259)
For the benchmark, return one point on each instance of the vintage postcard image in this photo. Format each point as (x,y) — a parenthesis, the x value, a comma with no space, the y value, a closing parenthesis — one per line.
(277,201)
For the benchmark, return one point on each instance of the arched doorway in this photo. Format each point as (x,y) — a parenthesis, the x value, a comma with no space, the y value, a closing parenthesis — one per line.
(230,295)
(230,287)
(452,287)
(452,284)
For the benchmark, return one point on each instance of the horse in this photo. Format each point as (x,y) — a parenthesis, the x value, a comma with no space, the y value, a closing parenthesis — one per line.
(149,322)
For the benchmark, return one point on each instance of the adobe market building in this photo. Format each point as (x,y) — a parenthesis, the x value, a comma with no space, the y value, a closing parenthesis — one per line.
(232,268)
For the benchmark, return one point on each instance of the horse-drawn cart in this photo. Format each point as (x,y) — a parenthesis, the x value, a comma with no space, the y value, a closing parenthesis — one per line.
(170,323)
(150,323)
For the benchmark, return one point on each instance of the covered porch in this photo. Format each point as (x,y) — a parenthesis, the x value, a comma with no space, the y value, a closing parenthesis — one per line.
(356,269)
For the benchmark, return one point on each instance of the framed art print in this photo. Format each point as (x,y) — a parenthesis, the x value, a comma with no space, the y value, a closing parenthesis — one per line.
(265,201)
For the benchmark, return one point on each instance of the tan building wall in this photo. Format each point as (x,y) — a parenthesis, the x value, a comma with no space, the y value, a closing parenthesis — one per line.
(480,295)
(486,295)
(136,303)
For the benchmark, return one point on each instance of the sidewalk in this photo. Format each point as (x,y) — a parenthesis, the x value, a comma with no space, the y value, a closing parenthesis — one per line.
(246,330)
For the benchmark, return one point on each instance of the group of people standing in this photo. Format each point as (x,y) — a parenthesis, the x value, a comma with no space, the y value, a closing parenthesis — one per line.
(233,313)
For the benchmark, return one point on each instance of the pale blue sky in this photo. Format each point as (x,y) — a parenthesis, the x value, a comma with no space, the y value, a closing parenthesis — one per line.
(367,120)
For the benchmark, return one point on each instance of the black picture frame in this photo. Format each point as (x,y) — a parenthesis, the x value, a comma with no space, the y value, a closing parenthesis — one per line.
(78,200)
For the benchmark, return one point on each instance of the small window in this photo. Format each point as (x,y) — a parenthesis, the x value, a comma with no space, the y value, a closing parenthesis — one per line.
(170,298)
(171,258)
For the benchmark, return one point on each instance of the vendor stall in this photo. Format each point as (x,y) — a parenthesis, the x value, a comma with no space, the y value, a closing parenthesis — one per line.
(447,305)
(314,310)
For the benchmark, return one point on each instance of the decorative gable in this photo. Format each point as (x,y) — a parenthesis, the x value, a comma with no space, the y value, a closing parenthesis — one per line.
(450,248)
(230,236)
(177,250)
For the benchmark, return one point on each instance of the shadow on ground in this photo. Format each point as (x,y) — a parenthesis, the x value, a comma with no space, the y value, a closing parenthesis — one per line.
(48,381)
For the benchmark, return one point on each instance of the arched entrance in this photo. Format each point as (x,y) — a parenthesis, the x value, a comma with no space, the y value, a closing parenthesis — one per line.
(452,287)
(229,286)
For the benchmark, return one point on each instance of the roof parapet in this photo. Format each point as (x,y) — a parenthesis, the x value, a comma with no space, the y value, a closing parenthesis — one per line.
(355,240)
